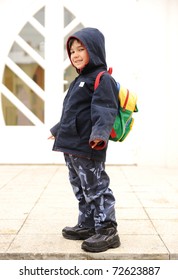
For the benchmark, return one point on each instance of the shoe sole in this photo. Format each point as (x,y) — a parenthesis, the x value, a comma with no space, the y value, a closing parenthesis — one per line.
(76,237)
(115,244)
(72,237)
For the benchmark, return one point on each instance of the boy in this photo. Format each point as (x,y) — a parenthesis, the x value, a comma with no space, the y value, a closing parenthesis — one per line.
(82,135)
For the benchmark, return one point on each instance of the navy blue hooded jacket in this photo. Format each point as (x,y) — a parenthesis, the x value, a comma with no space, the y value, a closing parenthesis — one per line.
(87,114)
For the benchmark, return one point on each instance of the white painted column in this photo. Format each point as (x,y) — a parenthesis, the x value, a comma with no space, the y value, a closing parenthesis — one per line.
(54,56)
(171,109)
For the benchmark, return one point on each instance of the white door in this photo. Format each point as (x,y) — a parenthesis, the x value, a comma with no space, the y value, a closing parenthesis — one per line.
(33,78)
(35,74)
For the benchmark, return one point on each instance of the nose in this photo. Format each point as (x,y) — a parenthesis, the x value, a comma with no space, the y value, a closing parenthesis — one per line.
(76,54)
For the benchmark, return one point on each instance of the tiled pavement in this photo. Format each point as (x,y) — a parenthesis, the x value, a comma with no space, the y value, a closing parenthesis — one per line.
(36,202)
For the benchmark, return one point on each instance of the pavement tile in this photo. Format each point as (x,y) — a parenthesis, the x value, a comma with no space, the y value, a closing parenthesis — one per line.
(58,201)
(130,213)
(8,213)
(54,212)
(22,198)
(171,242)
(168,174)
(127,199)
(158,188)
(43,243)
(5,240)
(37,201)
(135,227)
(162,213)
(141,246)
(8,173)
(56,247)
(34,175)
(10,226)
(40,226)
(152,199)
(166,227)
(142,176)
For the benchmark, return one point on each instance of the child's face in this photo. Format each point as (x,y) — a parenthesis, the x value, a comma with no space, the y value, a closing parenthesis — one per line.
(78,55)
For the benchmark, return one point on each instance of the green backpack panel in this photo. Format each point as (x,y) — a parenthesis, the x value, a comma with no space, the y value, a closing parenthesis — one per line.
(127,105)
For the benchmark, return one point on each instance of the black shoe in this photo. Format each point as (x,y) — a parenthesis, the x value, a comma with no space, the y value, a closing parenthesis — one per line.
(102,241)
(77,232)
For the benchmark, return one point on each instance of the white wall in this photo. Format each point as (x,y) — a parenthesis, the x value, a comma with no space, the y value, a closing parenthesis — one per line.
(172,86)
(142,43)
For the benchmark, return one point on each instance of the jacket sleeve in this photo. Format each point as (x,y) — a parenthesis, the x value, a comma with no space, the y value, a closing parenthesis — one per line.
(104,108)
(54,129)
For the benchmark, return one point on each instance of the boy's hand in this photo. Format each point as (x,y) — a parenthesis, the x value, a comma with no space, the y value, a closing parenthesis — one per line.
(51,137)
(96,142)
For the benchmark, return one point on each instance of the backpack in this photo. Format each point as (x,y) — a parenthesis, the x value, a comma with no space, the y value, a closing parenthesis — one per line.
(127,105)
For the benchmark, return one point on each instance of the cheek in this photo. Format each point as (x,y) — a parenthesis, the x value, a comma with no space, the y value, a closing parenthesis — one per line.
(87,59)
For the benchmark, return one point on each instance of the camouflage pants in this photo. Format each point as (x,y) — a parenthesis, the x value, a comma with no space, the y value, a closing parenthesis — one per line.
(90,185)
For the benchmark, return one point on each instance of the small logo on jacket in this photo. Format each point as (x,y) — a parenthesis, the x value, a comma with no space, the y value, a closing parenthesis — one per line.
(81,84)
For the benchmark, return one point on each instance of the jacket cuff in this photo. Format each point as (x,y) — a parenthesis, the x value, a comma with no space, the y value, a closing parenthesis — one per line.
(100,146)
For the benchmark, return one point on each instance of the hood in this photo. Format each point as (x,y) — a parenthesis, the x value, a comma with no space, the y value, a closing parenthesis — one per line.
(94,42)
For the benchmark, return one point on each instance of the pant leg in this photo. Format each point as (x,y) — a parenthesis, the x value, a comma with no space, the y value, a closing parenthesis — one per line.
(95,189)
(85,217)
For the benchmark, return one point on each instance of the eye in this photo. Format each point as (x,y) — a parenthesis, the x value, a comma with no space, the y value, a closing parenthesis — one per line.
(71,52)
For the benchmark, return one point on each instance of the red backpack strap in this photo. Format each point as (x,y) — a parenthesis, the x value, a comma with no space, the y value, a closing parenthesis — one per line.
(110,70)
(97,81)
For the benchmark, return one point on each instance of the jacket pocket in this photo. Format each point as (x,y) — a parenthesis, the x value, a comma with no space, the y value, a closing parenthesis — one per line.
(68,128)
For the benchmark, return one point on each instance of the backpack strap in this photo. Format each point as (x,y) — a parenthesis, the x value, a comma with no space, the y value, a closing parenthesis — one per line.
(110,70)
(97,81)
(126,100)
(113,133)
